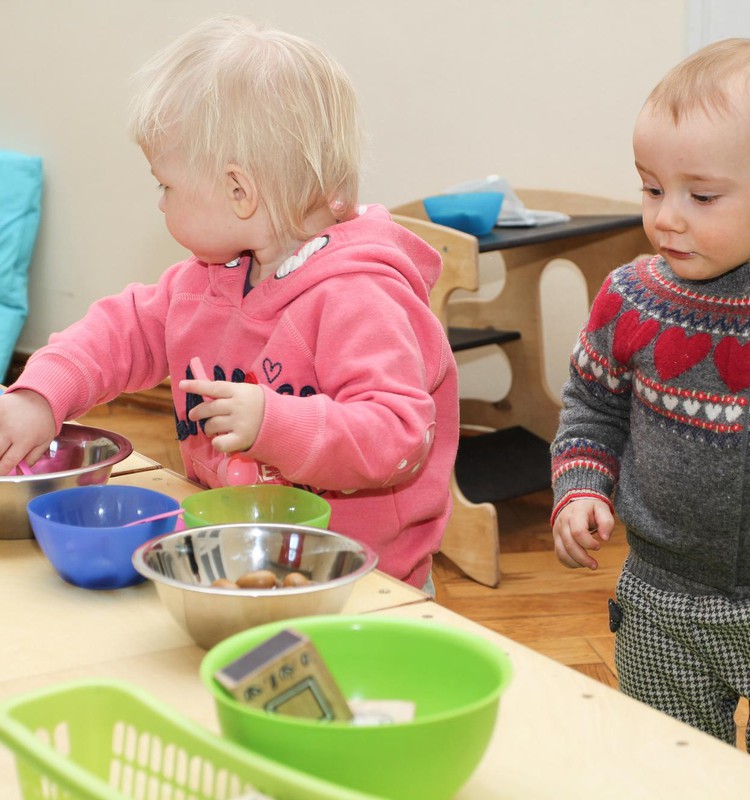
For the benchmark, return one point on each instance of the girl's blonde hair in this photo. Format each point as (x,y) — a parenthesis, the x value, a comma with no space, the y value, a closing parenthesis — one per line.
(706,81)
(233,91)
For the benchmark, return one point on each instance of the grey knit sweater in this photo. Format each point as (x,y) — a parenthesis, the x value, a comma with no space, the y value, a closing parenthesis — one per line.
(656,414)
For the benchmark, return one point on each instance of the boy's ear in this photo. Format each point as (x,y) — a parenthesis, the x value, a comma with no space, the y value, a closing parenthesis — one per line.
(240,191)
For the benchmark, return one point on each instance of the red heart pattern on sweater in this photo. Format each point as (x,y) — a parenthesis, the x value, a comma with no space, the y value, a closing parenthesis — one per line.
(632,335)
(732,361)
(605,308)
(675,352)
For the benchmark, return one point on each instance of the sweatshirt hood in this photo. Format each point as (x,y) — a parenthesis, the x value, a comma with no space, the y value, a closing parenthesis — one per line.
(371,243)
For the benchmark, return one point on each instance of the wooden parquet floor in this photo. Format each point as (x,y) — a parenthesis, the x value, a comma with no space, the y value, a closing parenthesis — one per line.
(556,611)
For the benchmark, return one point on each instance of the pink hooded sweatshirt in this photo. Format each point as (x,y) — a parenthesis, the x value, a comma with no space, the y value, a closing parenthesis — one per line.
(361,397)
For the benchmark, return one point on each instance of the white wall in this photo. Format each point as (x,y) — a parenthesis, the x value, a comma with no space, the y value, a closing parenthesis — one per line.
(710,20)
(542,91)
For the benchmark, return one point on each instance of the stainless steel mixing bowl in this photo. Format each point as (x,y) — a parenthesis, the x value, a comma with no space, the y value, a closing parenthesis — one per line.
(183,566)
(79,456)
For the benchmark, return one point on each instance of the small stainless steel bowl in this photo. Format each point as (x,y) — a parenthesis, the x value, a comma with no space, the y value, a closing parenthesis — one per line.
(79,456)
(183,566)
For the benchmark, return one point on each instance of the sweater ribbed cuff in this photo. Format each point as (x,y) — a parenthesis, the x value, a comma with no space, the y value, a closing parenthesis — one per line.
(572,496)
(59,382)
(285,441)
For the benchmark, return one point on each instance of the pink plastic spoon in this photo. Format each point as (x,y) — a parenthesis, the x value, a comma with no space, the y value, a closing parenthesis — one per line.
(23,467)
(233,470)
(199,373)
(153,518)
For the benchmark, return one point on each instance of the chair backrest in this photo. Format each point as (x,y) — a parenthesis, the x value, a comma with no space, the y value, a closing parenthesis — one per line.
(460,254)
(471,538)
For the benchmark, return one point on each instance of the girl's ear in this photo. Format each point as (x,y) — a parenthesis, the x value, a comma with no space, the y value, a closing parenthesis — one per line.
(240,191)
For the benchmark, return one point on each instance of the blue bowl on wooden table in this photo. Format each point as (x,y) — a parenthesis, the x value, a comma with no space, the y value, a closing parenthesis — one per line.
(471,212)
(85,534)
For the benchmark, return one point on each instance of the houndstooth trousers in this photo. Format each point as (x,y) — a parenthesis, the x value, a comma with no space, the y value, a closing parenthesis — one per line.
(685,655)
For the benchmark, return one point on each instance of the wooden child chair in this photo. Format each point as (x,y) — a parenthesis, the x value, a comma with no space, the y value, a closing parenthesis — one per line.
(471,539)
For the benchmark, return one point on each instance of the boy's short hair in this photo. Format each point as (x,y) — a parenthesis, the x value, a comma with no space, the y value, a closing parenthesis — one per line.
(704,81)
(232,91)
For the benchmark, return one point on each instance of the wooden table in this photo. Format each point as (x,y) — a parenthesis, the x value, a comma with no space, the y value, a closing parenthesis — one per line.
(505,238)
(525,421)
(596,244)
(510,456)
(601,235)
(559,733)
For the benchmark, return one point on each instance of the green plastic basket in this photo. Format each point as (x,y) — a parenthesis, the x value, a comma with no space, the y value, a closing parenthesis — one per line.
(108,740)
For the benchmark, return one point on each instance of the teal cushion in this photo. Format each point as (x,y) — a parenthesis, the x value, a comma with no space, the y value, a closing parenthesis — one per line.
(20,205)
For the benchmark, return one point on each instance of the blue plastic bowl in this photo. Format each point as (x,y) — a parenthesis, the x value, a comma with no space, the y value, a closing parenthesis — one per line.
(80,531)
(471,212)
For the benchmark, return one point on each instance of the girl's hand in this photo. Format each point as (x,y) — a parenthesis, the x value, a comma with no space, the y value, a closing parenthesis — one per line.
(27,426)
(233,412)
(582,525)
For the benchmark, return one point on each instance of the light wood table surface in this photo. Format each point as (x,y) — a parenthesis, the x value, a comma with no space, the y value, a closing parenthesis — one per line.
(135,462)
(559,733)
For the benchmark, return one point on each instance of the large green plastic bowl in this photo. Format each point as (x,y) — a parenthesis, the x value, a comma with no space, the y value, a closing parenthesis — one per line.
(260,503)
(454,677)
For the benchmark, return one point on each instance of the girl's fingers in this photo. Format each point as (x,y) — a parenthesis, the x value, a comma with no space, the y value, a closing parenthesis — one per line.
(208,390)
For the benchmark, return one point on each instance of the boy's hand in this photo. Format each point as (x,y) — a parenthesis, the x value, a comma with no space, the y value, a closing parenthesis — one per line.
(581,526)
(233,414)
(27,426)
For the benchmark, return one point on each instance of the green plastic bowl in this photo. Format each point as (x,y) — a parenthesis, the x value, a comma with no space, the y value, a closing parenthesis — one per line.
(454,677)
(261,503)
